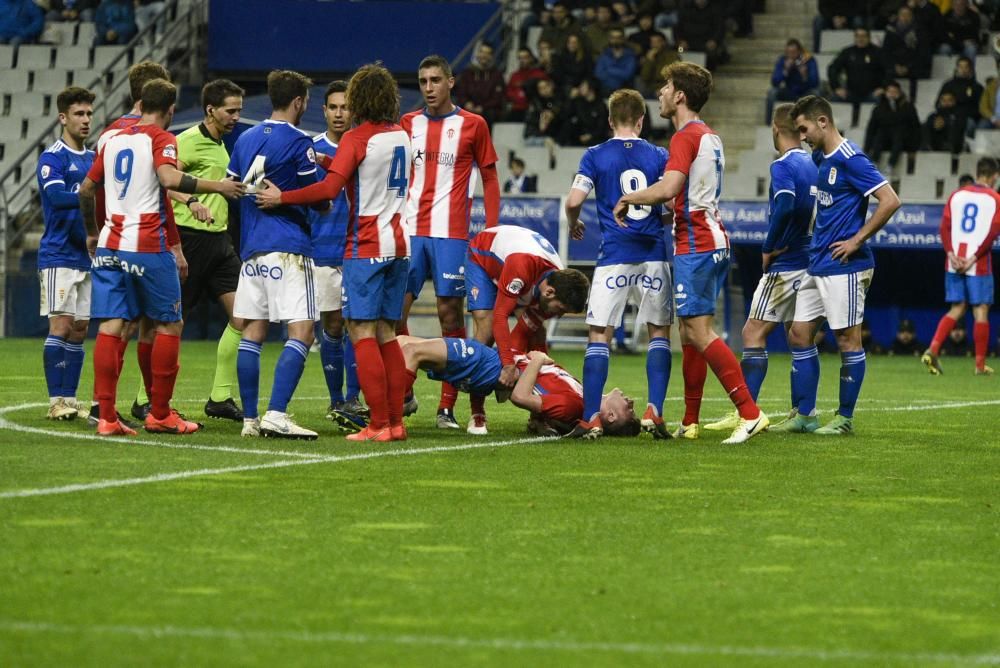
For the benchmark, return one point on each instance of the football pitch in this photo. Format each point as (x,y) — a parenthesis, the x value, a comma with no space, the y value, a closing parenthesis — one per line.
(792,550)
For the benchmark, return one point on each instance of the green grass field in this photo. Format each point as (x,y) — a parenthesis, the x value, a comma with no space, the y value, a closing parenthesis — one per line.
(877,549)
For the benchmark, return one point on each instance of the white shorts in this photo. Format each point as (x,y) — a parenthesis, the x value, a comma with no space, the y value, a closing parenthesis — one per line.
(65,291)
(329,288)
(840,298)
(774,298)
(647,283)
(279,287)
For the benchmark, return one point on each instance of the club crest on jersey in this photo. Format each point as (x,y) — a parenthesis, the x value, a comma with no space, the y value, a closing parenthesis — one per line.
(475,293)
(45,171)
(515,286)
(311,154)
(451,133)
(832,178)
(170,151)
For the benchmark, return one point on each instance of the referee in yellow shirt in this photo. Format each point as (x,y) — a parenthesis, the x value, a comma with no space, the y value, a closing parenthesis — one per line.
(213,266)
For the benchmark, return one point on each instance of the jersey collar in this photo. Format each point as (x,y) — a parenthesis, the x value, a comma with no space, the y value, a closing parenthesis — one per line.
(208,135)
(437,118)
(831,153)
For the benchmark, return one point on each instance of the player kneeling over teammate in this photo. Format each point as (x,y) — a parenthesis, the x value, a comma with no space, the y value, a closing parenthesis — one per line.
(133,271)
(552,396)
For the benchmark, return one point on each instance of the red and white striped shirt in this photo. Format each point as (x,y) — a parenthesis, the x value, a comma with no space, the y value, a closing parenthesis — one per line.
(696,151)
(448,152)
(561,393)
(970,225)
(135,203)
(374,159)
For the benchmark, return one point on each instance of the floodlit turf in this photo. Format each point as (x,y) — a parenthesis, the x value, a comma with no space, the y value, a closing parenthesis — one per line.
(877,549)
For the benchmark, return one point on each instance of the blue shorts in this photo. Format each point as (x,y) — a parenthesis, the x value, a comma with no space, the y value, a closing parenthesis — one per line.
(472,367)
(973,290)
(698,280)
(482,291)
(374,288)
(442,260)
(127,284)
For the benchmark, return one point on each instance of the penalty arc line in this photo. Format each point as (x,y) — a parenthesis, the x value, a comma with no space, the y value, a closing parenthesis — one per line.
(500,643)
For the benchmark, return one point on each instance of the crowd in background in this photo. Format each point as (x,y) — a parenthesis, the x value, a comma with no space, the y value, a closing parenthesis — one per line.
(116,21)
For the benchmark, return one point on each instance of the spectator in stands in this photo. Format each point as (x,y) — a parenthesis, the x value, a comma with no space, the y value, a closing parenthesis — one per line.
(894,125)
(520,79)
(957,343)
(960,30)
(907,49)
(71,10)
(617,65)
(572,65)
(146,12)
(541,125)
(964,87)
(561,26)
(546,57)
(795,75)
(857,73)
(836,15)
(906,342)
(598,33)
(21,22)
(519,182)
(659,55)
(739,16)
(665,12)
(585,118)
(989,110)
(480,86)
(115,22)
(640,39)
(624,12)
(945,127)
(927,16)
(702,27)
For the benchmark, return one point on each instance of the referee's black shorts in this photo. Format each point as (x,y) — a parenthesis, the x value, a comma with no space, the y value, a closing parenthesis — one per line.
(213,266)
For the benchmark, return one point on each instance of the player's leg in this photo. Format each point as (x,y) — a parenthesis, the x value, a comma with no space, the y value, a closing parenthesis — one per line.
(114,305)
(144,355)
(250,306)
(955,293)
(482,297)
(981,335)
(74,362)
(54,363)
(844,302)
(420,267)
(753,363)
(222,276)
(653,293)
(291,298)
(605,307)
(331,349)
(394,288)
(448,272)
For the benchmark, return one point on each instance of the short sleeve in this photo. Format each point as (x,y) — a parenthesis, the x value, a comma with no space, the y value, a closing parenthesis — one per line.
(96,171)
(586,173)
(485,153)
(564,406)
(782,179)
(164,150)
(305,158)
(683,150)
(862,175)
(186,154)
(50,171)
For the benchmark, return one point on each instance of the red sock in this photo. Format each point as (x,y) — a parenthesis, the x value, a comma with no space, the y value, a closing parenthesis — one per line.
(478,403)
(695,370)
(449,395)
(164,365)
(106,370)
(727,369)
(411,378)
(396,380)
(371,376)
(945,325)
(145,354)
(981,338)
(120,348)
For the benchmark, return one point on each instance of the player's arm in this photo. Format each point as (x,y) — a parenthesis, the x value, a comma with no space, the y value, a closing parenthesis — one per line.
(782,211)
(523,395)
(52,185)
(662,191)
(270,196)
(949,250)
(502,310)
(987,245)
(172,178)
(582,185)
(88,208)
(888,203)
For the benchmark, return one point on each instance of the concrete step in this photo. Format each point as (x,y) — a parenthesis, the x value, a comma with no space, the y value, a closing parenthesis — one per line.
(803,7)
(738,68)
(742,85)
(771,46)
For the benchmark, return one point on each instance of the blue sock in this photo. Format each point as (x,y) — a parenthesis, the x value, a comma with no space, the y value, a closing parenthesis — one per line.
(351,370)
(248,374)
(331,353)
(658,361)
(595,374)
(805,378)
(287,372)
(852,374)
(620,334)
(754,365)
(74,366)
(54,361)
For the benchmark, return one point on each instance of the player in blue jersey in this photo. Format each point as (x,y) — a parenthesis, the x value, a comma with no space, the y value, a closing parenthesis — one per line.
(329,229)
(277,283)
(632,260)
(784,255)
(840,264)
(63,260)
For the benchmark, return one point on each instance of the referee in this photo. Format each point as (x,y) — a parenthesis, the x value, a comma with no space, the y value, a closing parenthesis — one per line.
(213,266)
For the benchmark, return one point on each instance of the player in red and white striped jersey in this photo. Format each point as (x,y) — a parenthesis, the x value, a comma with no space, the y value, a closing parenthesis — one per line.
(450,147)
(373,163)
(969,226)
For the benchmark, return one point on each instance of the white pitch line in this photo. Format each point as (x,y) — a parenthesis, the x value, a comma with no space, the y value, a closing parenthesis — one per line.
(321,459)
(510,644)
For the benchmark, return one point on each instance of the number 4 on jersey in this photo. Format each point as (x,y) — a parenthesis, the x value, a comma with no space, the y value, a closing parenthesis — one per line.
(397,171)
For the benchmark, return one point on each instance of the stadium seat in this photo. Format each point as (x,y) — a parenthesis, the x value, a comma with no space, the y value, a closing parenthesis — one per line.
(756,163)
(69,57)
(967,163)
(986,67)
(14,81)
(696,57)
(37,125)
(28,105)
(85,34)
(555,181)
(12,150)
(6,56)
(534,33)
(921,185)
(11,129)
(865,110)
(763,139)
(823,61)
(843,113)
(59,33)
(50,81)
(943,67)
(834,41)
(933,162)
(653,116)
(510,136)
(34,57)
(85,77)
(986,142)
(104,56)
(740,185)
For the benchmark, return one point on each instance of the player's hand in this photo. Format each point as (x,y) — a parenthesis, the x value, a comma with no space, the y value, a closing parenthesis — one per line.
(767,258)
(182,263)
(621,212)
(843,250)
(576,229)
(508,376)
(539,355)
(268,195)
(91,246)
(231,189)
(200,212)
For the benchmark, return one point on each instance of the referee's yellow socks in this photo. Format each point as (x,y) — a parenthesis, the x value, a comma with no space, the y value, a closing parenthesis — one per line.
(225,364)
